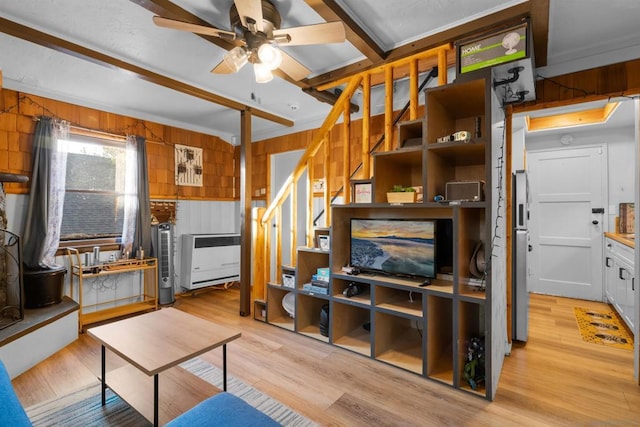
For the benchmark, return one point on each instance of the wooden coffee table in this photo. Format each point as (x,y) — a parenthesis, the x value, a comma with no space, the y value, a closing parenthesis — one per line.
(154,344)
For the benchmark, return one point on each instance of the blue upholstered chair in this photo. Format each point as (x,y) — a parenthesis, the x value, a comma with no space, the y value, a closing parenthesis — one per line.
(12,413)
(223,410)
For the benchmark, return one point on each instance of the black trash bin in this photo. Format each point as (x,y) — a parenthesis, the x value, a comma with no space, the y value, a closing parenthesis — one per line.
(43,287)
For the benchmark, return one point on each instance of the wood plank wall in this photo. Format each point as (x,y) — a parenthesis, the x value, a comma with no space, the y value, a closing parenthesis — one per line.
(300,140)
(222,160)
(220,179)
(606,81)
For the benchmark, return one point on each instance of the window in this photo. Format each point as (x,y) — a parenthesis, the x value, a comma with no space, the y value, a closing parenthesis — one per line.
(95,188)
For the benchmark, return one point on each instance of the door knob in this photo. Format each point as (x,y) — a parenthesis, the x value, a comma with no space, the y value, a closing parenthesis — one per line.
(594,222)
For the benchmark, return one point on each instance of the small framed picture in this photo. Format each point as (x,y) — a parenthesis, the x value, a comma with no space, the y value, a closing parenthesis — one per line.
(324,242)
(361,191)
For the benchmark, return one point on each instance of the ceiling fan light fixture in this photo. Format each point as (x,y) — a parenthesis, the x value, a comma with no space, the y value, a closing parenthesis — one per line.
(270,56)
(262,72)
(236,58)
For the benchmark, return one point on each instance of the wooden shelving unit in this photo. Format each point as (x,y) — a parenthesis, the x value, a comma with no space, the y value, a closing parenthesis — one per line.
(422,329)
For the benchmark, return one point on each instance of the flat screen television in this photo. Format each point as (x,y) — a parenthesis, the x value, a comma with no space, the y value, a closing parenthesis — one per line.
(404,247)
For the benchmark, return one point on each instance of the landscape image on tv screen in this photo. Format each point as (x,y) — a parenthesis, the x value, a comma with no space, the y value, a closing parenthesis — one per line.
(405,247)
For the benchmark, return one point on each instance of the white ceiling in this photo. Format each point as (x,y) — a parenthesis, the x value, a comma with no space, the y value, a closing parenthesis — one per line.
(582,34)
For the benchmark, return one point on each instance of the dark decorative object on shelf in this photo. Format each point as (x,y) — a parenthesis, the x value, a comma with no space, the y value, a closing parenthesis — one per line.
(474,367)
(324,320)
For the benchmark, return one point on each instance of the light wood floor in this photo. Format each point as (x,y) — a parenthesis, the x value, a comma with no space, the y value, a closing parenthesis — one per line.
(556,379)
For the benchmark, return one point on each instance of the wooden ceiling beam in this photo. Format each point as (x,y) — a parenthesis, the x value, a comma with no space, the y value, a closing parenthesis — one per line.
(510,15)
(43,39)
(540,30)
(330,10)
(170,10)
(167,9)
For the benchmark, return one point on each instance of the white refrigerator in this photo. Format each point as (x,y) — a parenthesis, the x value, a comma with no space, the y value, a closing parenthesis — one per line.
(520,292)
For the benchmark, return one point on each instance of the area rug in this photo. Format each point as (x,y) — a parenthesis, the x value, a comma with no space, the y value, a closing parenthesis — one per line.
(83,408)
(603,327)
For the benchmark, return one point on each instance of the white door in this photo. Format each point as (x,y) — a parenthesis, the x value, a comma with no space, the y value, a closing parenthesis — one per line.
(567,189)
(282,165)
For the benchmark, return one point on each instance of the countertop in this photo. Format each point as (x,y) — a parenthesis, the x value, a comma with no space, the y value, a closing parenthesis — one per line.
(625,239)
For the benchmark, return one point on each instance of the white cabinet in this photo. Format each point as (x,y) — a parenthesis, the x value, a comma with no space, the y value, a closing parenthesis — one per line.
(620,279)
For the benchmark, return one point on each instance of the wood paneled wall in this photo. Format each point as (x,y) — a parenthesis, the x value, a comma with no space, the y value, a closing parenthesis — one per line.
(222,160)
(298,141)
(601,82)
(220,179)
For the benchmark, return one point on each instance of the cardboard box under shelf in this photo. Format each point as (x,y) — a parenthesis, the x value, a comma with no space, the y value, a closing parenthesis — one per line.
(626,223)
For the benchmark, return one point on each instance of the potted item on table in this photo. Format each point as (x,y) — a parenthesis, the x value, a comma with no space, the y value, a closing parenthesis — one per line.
(400,194)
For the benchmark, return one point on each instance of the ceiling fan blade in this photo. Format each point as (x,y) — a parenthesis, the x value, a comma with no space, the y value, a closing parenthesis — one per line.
(193,28)
(250,9)
(222,68)
(329,32)
(293,68)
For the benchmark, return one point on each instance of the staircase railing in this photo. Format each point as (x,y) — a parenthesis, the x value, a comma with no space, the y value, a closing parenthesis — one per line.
(263,217)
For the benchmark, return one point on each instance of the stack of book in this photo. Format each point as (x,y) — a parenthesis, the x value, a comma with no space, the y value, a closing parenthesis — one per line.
(319,282)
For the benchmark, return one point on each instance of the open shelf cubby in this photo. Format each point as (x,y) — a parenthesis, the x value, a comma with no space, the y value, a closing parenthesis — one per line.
(276,314)
(309,260)
(471,321)
(348,327)
(440,338)
(339,285)
(407,301)
(308,316)
(397,168)
(410,133)
(399,341)
(471,227)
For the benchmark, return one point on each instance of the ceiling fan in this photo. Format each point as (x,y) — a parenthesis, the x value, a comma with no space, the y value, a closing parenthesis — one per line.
(256,33)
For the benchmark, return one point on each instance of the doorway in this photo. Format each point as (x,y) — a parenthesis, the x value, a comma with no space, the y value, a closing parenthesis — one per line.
(282,165)
(619,136)
(568,197)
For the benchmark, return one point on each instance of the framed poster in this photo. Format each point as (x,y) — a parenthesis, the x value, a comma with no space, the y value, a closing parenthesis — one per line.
(188,165)
(361,191)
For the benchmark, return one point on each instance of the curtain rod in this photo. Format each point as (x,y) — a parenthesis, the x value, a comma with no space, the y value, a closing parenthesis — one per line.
(91,132)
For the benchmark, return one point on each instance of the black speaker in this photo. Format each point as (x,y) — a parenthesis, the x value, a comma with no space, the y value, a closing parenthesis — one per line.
(324,320)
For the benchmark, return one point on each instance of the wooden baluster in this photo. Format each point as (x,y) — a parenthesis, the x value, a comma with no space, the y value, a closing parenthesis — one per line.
(413,89)
(366,128)
(388,108)
(346,152)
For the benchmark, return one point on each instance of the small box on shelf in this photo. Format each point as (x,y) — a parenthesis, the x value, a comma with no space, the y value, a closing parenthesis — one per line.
(400,194)
(288,280)
(260,310)
(324,242)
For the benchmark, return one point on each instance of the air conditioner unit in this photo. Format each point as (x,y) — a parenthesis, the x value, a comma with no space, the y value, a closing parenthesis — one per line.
(209,259)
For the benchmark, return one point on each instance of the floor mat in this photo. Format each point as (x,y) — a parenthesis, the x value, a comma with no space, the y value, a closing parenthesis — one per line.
(603,327)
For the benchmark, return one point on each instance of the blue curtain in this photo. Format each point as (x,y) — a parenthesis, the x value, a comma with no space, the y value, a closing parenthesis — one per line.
(46,195)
